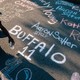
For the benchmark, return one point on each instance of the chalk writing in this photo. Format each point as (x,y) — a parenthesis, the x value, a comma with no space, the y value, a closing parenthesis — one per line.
(12,64)
(69,23)
(75,35)
(50,15)
(55,35)
(65,3)
(77,8)
(67,12)
(17,30)
(24,5)
(46,4)
(30,3)
(15,10)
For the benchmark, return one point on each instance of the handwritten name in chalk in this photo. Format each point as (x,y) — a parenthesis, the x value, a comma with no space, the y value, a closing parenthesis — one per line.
(64,41)
(49,14)
(17,9)
(46,4)
(68,12)
(65,3)
(55,34)
(69,23)
(38,45)
(30,3)
(40,31)
(76,8)
(75,35)
(23,4)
